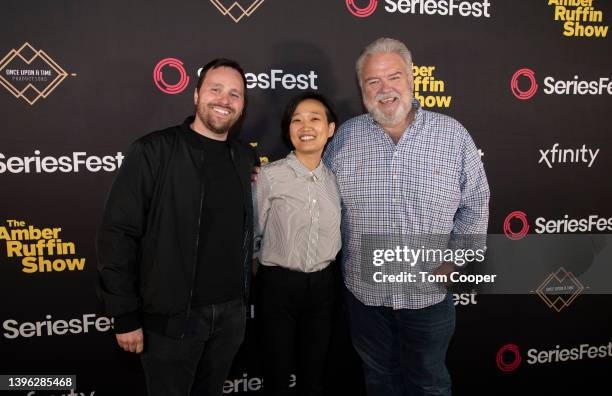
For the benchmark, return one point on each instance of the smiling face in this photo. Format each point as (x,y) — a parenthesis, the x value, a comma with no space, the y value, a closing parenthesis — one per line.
(309,128)
(387,88)
(219,102)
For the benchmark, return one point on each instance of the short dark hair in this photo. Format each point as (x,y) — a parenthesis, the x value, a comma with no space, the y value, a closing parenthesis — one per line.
(294,103)
(221,62)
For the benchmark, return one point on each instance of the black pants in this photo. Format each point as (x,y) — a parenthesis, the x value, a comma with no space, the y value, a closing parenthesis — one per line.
(294,316)
(198,363)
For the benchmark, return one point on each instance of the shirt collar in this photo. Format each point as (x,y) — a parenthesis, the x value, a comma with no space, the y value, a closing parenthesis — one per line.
(301,170)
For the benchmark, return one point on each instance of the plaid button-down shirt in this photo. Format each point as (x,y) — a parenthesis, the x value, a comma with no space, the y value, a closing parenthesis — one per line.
(431,183)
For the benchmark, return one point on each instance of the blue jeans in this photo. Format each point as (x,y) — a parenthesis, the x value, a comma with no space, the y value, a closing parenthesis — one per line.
(403,351)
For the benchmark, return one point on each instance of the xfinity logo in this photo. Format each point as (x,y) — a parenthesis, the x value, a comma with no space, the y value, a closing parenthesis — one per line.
(556,155)
(49,327)
(509,358)
(464,8)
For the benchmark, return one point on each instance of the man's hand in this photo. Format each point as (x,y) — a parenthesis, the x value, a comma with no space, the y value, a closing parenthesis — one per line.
(132,341)
(256,170)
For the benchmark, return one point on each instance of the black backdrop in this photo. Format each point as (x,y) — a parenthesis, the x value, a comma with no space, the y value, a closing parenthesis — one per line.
(78,77)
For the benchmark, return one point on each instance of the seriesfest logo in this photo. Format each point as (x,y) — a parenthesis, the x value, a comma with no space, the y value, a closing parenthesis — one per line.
(236,9)
(508,357)
(40,250)
(566,225)
(524,85)
(164,86)
(464,8)
(76,162)
(48,327)
(250,384)
(272,79)
(579,18)
(30,74)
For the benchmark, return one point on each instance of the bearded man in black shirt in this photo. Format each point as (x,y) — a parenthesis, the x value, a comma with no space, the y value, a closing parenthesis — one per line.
(175,243)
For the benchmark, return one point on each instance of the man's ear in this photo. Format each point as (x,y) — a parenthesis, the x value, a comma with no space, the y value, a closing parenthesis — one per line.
(195,96)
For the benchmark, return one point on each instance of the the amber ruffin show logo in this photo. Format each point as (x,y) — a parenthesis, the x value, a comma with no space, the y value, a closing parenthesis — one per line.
(235,10)
(30,74)
(39,249)
(560,289)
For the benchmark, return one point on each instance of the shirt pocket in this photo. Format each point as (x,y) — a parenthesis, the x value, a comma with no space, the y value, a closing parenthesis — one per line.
(436,193)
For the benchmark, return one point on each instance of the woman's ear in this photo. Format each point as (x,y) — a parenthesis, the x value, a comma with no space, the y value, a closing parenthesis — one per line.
(332,129)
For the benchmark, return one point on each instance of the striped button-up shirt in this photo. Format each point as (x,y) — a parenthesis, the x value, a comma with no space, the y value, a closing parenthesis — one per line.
(431,183)
(297,219)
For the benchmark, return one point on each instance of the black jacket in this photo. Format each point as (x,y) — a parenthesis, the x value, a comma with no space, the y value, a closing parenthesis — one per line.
(148,242)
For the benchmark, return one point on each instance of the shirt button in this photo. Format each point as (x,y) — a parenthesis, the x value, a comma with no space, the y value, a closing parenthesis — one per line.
(394,200)
(393,225)
(395,153)
(314,201)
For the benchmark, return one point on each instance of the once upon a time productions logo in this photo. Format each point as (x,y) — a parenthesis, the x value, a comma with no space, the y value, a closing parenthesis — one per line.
(516,225)
(464,8)
(524,85)
(560,289)
(509,358)
(30,74)
(39,249)
(427,88)
(580,18)
(237,9)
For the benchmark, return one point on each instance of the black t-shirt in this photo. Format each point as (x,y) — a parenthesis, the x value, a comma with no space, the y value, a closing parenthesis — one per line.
(219,270)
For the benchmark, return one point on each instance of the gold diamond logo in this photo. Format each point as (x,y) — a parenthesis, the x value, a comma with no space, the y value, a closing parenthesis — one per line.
(235,10)
(30,74)
(560,289)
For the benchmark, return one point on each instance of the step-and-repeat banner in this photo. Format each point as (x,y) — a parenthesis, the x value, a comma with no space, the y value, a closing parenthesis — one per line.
(531,80)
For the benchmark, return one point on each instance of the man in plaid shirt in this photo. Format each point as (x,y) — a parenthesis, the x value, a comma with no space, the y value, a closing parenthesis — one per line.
(402,170)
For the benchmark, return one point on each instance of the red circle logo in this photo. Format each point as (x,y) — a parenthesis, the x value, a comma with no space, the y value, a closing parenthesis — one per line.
(533,87)
(524,228)
(516,359)
(362,12)
(158,76)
